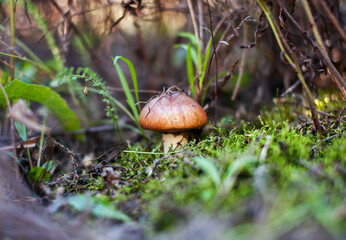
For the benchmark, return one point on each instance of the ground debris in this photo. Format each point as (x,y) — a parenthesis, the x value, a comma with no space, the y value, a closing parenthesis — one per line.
(111,178)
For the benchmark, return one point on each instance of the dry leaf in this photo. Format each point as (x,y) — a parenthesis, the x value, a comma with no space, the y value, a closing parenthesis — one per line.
(21,113)
(110,177)
(88,160)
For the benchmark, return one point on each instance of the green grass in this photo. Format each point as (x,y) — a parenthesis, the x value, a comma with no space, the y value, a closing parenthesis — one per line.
(196,65)
(135,109)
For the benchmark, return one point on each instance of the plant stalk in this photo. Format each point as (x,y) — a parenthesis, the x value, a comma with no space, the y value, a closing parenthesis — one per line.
(314,26)
(14,149)
(198,40)
(13,37)
(284,46)
(318,37)
(242,64)
(291,58)
(333,19)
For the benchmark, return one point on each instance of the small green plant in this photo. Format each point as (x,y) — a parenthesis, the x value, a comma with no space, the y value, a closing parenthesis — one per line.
(40,173)
(224,180)
(130,100)
(35,173)
(112,104)
(67,76)
(197,64)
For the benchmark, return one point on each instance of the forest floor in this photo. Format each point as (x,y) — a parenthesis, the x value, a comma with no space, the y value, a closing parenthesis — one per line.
(273,179)
(269,164)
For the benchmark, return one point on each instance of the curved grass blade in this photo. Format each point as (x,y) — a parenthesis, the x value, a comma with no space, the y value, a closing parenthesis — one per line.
(134,78)
(127,91)
(189,36)
(205,64)
(192,52)
(209,168)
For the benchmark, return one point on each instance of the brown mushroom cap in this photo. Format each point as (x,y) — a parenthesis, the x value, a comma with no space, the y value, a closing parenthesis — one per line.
(172,112)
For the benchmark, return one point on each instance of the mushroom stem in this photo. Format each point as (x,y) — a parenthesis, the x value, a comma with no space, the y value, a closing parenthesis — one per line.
(173,140)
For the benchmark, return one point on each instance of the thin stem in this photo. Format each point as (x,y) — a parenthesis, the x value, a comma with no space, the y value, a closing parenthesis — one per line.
(200,20)
(292,59)
(211,59)
(19,71)
(284,46)
(35,59)
(332,18)
(41,146)
(195,29)
(193,18)
(317,34)
(29,157)
(15,164)
(334,72)
(314,26)
(13,37)
(242,64)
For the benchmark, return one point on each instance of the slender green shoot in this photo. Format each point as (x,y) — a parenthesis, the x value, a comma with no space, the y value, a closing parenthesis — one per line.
(134,78)
(41,146)
(59,63)
(190,70)
(284,45)
(34,59)
(13,36)
(112,104)
(126,88)
(205,64)
(196,64)
(314,27)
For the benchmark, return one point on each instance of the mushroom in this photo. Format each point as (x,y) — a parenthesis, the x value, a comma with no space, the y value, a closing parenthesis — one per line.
(174,114)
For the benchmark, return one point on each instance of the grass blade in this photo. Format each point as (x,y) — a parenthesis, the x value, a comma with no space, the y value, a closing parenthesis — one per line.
(209,168)
(192,52)
(234,169)
(134,78)
(205,64)
(190,36)
(127,91)
(190,70)
(59,63)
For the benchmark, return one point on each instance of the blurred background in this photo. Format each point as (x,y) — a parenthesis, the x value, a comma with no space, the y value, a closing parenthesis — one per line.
(246,69)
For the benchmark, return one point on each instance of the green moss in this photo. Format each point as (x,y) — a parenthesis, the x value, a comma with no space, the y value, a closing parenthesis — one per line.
(279,169)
